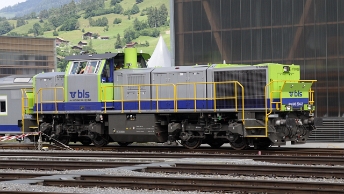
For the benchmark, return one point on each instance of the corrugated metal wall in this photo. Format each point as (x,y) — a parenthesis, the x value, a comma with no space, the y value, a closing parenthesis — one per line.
(331,131)
(309,33)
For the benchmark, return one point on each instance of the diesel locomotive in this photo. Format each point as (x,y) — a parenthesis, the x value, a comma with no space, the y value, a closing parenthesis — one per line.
(114,97)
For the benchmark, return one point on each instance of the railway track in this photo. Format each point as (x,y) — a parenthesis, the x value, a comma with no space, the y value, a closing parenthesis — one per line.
(178,149)
(196,184)
(181,168)
(179,176)
(251,170)
(282,159)
(61,165)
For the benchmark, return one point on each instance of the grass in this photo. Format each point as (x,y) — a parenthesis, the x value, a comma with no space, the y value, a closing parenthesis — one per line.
(24,28)
(102,46)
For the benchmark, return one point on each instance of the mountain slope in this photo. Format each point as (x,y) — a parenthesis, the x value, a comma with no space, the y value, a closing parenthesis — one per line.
(145,43)
(29,6)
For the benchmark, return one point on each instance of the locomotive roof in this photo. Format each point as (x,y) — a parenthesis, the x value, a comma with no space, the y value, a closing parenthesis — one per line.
(16,79)
(100,56)
(91,56)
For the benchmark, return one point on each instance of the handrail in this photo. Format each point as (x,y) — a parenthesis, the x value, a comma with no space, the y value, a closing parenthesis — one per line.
(55,101)
(24,100)
(215,97)
(311,96)
(175,97)
(103,94)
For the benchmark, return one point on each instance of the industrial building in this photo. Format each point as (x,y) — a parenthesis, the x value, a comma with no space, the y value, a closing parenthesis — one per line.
(309,33)
(26,55)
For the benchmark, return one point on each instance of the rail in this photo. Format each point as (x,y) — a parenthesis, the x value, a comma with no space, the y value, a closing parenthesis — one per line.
(173,97)
(25,104)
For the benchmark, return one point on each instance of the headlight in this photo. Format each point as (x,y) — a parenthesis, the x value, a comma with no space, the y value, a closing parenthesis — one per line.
(288,107)
(309,107)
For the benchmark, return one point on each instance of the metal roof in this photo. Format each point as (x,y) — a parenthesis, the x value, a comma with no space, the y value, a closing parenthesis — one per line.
(91,56)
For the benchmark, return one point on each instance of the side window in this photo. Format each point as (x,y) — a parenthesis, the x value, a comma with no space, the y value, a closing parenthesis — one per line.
(106,72)
(3,105)
(75,68)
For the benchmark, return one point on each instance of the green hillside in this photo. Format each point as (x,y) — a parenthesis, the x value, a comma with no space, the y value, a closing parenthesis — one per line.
(110,31)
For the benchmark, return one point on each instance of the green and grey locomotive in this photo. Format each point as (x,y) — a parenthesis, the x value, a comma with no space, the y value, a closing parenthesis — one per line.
(114,97)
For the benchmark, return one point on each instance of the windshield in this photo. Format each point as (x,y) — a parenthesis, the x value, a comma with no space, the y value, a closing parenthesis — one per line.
(92,67)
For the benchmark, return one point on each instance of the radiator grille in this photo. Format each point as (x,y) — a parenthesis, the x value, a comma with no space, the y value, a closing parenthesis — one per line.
(253,81)
(135,80)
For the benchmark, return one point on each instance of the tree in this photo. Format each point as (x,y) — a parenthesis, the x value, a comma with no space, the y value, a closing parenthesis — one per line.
(62,64)
(152,17)
(130,34)
(95,36)
(47,26)
(139,1)
(162,15)
(114,2)
(55,33)
(135,9)
(89,48)
(118,9)
(139,25)
(44,14)
(5,27)
(33,15)
(70,25)
(99,22)
(157,17)
(20,22)
(118,43)
(37,29)
(117,21)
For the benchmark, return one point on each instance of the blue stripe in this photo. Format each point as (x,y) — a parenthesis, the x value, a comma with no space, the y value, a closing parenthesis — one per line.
(182,104)
(9,128)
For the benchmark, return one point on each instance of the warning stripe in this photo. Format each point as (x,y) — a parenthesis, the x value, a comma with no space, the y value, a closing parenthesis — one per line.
(5,138)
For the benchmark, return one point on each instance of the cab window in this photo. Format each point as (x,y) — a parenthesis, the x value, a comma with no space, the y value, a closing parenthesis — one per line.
(74,69)
(92,67)
(77,67)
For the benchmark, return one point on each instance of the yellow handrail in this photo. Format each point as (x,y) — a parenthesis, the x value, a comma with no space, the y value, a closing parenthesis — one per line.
(55,101)
(175,97)
(24,100)
(139,99)
(311,96)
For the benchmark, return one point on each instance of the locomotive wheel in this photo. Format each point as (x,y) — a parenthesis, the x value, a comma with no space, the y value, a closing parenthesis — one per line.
(124,144)
(239,144)
(216,144)
(192,143)
(100,140)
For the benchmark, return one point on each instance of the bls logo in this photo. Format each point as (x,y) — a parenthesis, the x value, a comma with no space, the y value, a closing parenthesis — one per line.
(295,93)
(81,94)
